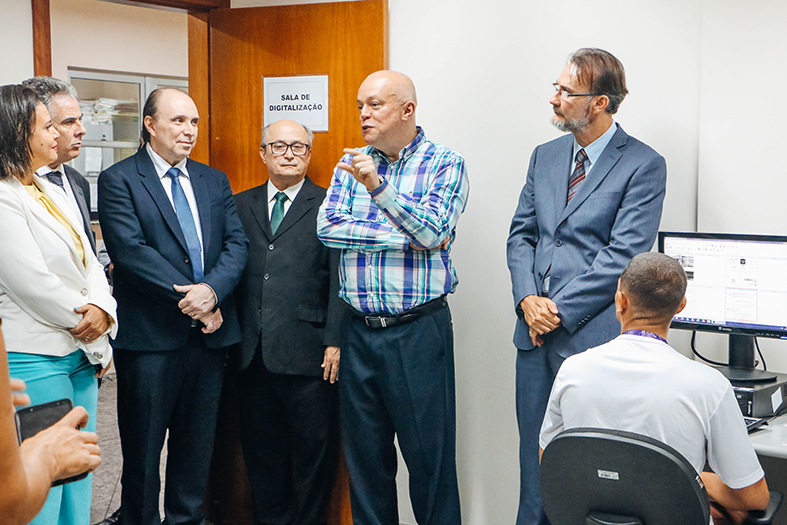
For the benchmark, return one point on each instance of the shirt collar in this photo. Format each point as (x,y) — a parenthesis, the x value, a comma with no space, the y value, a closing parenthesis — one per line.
(407,150)
(596,148)
(46,170)
(162,166)
(290,192)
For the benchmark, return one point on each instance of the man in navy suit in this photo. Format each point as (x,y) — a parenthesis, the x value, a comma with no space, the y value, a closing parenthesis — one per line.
(290,314)
(592,200)
(178,248)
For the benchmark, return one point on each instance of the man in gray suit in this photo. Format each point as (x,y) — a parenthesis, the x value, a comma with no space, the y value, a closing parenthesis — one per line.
(290,314)
(592,200)
(60,99)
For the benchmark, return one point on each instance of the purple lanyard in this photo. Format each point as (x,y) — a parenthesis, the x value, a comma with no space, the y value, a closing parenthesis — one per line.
(643,333)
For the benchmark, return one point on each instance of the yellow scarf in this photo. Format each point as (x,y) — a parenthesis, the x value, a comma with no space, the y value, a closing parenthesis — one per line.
(38,194)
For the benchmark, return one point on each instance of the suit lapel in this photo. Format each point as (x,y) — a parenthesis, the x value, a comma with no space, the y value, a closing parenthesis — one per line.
(563,170)
(259,209)
(150,180)
(299,207)
(81,202)
(202,195)
(609,157)
(43,215)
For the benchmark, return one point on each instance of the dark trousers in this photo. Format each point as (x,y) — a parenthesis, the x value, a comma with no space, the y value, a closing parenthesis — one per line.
(158,391)
(286,427)
(400,380)
(535,373)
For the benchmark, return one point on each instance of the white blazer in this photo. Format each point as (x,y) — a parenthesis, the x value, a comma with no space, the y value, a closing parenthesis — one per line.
(42,278)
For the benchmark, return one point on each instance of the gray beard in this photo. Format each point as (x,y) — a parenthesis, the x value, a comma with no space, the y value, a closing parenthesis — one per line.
(571,125)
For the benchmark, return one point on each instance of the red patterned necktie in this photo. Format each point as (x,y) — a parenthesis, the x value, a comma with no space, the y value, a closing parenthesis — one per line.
(579,174)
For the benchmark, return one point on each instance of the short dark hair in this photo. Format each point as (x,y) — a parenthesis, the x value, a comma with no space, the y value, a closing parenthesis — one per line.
(151,108)
(50,87)
(18,105)
(655,284)
(602,73)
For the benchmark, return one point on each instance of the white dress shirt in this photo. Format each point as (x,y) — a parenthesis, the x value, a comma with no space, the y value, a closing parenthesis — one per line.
(162,166)
(291,193)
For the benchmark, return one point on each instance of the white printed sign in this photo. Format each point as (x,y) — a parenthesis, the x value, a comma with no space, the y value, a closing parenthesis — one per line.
(302,99)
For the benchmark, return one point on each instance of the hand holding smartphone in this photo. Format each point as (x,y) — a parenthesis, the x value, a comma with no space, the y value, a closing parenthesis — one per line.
(33,419)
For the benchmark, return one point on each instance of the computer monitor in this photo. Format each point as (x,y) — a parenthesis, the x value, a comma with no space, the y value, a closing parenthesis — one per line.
(737,286)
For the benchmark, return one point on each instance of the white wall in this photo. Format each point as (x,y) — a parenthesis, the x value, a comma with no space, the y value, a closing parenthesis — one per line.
(115,37)
(16,41)
(742,173)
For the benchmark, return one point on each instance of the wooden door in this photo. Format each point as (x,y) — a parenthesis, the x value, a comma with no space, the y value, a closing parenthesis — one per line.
(230,51)
(344,40)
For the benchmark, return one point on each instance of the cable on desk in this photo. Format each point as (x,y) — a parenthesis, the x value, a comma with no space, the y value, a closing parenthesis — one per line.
(762,359)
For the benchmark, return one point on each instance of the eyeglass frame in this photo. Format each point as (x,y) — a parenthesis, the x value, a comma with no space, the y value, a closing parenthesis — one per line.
(565,95)
(288,146)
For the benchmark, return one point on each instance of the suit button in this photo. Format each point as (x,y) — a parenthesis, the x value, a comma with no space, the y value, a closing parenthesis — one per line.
(266,276)
(558,242)
(187,260)
(270,247)
(84,292)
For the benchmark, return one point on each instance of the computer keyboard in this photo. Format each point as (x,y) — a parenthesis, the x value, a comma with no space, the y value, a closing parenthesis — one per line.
(753,423)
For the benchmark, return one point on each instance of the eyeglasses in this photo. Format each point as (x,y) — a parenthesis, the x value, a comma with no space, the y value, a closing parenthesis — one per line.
(565,95)
(298,149)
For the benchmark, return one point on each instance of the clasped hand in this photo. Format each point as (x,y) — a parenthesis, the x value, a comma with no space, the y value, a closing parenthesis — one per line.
(198,304)
(540,315)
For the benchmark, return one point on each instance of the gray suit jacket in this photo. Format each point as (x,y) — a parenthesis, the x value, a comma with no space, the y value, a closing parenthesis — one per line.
(586,244)
(81,188)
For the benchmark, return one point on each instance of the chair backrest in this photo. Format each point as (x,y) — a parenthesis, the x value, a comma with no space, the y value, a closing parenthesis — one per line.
(589,475)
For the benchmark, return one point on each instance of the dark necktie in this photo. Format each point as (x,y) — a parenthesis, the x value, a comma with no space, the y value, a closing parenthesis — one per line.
(578,176)
(278,211)
(55,177)
(186,220)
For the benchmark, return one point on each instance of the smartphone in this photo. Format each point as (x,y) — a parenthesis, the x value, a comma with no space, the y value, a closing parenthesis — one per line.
(33,419)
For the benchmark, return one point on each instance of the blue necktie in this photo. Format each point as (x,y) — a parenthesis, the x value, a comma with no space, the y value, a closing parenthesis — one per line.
(277,215)
(55,178)
(186,220)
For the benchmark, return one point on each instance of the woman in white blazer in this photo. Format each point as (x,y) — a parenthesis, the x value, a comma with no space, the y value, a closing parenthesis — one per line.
(55,303)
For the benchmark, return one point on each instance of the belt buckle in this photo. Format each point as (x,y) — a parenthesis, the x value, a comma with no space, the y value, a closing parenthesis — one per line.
(379,319)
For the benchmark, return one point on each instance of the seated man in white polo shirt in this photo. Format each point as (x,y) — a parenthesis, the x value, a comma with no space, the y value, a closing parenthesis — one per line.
(638,383)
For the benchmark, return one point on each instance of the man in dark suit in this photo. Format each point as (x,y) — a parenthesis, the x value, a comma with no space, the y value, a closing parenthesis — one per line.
(592,200)
(290,314)
(60,99)
(179,249)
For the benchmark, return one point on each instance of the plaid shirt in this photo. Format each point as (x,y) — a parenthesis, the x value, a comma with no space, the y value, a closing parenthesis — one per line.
(420,202)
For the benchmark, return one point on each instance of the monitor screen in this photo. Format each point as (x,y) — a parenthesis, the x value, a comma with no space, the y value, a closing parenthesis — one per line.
(737,283)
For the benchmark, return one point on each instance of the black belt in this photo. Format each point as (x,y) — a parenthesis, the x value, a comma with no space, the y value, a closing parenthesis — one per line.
(408,316)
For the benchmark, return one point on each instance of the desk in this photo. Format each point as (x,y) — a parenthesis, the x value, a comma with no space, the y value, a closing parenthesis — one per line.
(771,439)
(770,443)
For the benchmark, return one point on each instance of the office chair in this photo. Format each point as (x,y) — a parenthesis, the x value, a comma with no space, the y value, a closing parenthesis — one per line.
(593,476)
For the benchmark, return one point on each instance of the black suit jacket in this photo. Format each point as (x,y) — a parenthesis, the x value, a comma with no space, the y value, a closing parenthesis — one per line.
(147,246)
(288,298)
(81,189)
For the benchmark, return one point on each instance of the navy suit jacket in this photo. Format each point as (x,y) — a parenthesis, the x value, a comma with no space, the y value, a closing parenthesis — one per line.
(288,298)
(586,244)
(144,240)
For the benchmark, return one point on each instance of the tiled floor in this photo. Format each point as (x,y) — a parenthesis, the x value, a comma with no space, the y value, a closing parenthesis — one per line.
(106,478)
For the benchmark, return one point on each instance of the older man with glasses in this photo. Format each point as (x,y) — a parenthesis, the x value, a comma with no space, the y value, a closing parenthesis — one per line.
(591,201)
(290,314)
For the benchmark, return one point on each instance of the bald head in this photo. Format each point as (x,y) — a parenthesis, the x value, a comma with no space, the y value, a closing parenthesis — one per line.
(401,86)
(386,102)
